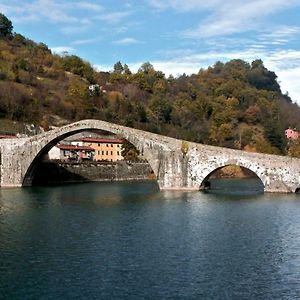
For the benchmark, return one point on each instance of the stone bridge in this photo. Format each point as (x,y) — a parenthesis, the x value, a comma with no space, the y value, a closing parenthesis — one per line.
(177,164)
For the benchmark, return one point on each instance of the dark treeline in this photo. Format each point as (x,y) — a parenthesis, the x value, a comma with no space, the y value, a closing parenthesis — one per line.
(234,104)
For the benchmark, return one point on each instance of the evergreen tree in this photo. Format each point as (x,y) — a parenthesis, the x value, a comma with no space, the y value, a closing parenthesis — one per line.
(118,68)
(6,26)
(127,70)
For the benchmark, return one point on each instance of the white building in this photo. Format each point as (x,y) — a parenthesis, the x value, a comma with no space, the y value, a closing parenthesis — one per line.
(71,152)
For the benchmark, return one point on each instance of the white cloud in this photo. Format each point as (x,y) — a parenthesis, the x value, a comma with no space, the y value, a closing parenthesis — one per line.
(41,10)
(192,5)
(285,31)
(289,82)
(88,6)
(230,18)
(286,65)
(85,41)
(103,68)
(10,8)
(127,41)
(51,10)
(54,11)
(184,6)
(75,29)
(283,59)
(225,17)
(113,17)
(62,49)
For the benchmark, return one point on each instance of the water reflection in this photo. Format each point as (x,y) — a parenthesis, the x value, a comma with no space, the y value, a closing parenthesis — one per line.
(236,186)
(132,241)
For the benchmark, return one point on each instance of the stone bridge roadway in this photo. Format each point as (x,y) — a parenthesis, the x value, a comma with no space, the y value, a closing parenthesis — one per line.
(174,168)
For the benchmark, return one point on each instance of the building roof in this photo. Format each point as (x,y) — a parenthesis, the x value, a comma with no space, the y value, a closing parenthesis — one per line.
(7,136)
(74,148)
(98,140)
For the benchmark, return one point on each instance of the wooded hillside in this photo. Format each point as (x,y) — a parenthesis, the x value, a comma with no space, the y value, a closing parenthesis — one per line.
(234,104)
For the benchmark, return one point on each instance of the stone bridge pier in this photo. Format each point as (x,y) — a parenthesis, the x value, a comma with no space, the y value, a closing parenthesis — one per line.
(177,164)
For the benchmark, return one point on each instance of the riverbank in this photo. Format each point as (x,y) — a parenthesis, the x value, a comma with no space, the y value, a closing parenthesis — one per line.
(55,172)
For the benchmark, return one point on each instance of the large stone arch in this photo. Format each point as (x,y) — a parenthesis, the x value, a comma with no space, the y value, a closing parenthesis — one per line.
(218,166)
(277,173)
(205,160)
(221,166)
(41,144)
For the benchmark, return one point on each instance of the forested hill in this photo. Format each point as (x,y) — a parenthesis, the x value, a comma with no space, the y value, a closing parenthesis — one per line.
(234,104)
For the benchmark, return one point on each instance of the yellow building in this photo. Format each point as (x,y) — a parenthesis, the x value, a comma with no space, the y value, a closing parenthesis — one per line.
(105,149)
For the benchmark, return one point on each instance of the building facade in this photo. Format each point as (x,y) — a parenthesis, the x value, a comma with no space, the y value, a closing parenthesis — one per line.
(292,134)
(105,149)
(71,153)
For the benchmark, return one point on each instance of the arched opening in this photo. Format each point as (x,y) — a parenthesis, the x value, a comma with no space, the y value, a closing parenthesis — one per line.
(233,180)
(87,155)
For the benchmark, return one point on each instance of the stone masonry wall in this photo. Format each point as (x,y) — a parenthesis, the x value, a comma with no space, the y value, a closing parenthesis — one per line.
(60,172)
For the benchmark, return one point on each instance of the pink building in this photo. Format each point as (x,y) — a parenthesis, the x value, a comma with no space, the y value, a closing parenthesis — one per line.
(292,134)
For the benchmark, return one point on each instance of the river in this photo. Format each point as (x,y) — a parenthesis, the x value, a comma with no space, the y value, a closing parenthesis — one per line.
(128,240)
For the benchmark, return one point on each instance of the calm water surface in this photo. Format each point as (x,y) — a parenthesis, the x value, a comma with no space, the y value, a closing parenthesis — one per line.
(131,241)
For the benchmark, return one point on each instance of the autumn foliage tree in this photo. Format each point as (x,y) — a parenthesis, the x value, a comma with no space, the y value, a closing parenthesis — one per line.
(129,151)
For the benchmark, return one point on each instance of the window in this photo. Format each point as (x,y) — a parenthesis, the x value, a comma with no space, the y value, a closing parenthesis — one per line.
(98,152)
(118,152)
(106,152)
(111,145)
(98,145)
(106,145)
(102,152)
(111,153)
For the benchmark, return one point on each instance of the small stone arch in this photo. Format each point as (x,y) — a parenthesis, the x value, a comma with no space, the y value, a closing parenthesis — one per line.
(205,183)
(49,139)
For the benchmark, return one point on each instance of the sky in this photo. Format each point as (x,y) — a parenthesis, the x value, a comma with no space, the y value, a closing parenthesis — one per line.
(175,36)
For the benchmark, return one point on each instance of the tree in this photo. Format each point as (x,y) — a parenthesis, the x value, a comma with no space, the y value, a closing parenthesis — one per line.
(118,68)
(127,70)
(218,67)
(146,68)
(76,65)
(129,151)
(6,26)
(225,133)
(161,109)
(262,78)
(253,114)
(294,149)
